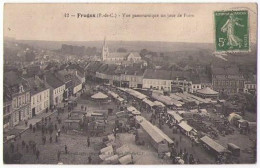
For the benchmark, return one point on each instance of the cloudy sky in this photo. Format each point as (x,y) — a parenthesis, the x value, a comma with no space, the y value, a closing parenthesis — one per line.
(47,22)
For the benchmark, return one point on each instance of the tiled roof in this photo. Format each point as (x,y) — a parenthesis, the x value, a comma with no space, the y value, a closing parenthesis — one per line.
(205,79)
(157,74)
(12,81)
(180,74)
(118,55)
(53,81)
(36,85)
(93,66)
(130,70)
(75,80)
(218,71)
(64,75)
(136,54)
(77,67)
(225,71)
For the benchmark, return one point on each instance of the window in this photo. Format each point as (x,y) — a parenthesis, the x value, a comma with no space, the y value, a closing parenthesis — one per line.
(23,99)
(28,97)
(15,119)
(15,102)
(19,101)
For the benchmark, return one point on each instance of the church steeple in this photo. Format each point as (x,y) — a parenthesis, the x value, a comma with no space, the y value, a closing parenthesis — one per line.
(104,50)
(104,44)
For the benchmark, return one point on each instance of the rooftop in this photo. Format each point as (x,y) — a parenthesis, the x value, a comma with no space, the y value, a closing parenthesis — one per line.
(53,81)
(36,85)
(157,74)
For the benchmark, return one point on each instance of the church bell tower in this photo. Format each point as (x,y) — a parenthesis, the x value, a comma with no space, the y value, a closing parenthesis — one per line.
(105,52)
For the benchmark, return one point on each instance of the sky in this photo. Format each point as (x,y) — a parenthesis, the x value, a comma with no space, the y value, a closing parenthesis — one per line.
(47,22)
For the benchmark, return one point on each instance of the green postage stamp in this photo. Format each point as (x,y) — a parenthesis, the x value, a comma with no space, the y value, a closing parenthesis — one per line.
(231,31)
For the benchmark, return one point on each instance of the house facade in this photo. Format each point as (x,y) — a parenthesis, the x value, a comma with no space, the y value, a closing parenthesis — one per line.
(40,96)
(18,92)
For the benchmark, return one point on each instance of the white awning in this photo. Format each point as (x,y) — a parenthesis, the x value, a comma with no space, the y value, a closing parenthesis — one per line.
(99,95)
(126,159)
(185,126)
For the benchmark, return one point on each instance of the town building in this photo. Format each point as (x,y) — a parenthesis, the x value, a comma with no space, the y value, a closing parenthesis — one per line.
(181,81)
(17,91)
(40,96)
(227,80)
(157,79)
(77,84)
(132,77)
(250,85)
(105,73)
(7,113)
(66,77)
(57,88)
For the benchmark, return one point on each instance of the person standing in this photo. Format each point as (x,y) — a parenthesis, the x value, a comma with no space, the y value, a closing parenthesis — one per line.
(17,147)
(50,139)
(23,144)
(58,155)
(26,123)
(88,142)
(66,149)
(56,138)
(89,159)
(27,148)
(37,154)
(34,148)
(44,139)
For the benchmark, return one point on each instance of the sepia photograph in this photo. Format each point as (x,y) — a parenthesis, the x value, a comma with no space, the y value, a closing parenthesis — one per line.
(138,84)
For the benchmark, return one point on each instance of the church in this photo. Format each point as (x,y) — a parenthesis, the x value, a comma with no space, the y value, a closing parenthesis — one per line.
(116,57)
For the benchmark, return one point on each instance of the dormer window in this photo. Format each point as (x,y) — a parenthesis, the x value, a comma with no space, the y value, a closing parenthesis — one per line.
(21,89)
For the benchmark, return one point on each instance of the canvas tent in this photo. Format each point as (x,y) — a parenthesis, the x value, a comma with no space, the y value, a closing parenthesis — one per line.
(112,160)
(127,159)
(185,128)
(212,145)
(207,93)
(233,117)
(159,140)
(177,118)
(99,97)
(106,152)
(122,151)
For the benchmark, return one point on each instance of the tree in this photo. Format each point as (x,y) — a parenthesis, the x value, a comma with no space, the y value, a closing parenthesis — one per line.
(29,56)
(143,52)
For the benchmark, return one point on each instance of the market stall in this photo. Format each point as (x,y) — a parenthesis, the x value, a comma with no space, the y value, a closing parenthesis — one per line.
(100,97)
(207,93)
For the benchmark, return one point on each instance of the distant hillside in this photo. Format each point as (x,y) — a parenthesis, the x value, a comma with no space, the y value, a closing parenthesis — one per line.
(129,45)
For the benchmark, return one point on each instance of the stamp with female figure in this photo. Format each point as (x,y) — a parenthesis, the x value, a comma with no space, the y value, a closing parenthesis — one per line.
(231,31)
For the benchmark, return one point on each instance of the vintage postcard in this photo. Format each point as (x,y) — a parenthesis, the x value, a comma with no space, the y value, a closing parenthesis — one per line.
(142,84)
